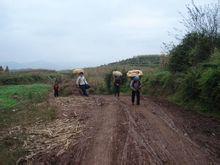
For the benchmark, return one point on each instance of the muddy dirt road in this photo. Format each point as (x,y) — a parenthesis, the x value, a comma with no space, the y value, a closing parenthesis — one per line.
(113,132)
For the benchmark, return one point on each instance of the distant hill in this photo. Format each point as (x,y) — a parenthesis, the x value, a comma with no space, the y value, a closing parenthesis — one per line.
(38,65)
(139,61)
(146,63)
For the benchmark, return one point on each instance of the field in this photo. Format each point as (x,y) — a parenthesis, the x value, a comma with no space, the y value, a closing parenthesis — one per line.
(21,105)
(29,77)
(13,96)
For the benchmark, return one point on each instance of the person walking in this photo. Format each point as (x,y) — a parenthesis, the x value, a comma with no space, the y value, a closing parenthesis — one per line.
(135,86)
(56,89)
(82,83)
(117,84)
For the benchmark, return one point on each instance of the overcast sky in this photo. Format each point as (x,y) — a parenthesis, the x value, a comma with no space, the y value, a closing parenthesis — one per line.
(86,32)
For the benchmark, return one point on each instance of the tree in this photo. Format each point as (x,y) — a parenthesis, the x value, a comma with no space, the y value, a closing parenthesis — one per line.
(1,70)
(203,20)
(193,49)
(201,39)
(6,69)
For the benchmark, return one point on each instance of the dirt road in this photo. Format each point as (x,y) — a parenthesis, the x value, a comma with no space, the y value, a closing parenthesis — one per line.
(114,132)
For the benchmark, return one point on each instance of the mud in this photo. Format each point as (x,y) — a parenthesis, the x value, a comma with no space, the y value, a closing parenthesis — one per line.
(113,132)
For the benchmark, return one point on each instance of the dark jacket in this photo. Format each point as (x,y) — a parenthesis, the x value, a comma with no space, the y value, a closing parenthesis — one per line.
(117,81)
(135,85)
(56,87)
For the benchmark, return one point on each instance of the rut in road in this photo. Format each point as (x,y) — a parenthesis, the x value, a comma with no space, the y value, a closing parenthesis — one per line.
(117,133)
(154,139)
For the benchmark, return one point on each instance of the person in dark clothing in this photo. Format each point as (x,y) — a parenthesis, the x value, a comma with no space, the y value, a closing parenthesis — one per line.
(117,84)
(135,86)
(56,89)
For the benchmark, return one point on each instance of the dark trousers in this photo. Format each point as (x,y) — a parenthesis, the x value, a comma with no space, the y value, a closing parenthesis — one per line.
(117,91)
(137,94)
(56,93)
(83,88)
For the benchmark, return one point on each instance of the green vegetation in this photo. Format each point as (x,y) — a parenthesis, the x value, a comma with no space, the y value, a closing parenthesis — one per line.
(144,62)
(15,95)
(196,88)
(194,49)
(158,83)
(192,76)
(21,105)
(101,80)
(109,86)
(29,77)
(101,77)
(188,75)
(139,61)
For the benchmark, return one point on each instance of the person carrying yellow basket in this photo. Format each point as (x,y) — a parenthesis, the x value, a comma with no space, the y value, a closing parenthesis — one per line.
(117,82)
(81,81)
(135,85)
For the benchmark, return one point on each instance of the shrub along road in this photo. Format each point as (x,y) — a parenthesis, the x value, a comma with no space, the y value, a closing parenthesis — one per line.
(106,130)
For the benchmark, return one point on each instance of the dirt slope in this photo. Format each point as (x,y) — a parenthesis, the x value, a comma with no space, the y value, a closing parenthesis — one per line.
(112,131)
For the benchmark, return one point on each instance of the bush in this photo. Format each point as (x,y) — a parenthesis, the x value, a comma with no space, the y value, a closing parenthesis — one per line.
(159,83)
(189,87)
(108,82)
(194,49)
(209,85)
(28,78)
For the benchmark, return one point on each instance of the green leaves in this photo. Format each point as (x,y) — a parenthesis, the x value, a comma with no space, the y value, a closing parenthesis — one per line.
(194,49)
(209,85)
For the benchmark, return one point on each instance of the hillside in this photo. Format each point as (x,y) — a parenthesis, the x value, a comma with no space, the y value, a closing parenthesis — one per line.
(138,61)
(146,63)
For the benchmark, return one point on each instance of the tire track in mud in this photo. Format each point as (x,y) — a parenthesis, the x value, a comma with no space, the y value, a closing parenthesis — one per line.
(117,133)
(185,150)
(153,138)
(95,146)
(137,148)
(101,150)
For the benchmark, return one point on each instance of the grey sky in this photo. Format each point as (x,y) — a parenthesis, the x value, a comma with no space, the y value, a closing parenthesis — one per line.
(87,32)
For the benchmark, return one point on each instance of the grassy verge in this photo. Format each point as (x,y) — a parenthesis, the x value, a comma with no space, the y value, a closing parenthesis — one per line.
(196,90)
(21,106)
(194,105)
